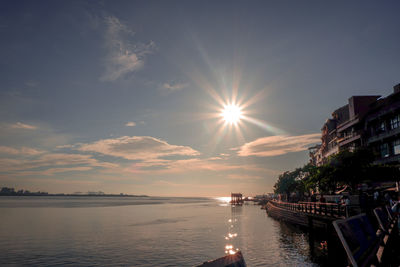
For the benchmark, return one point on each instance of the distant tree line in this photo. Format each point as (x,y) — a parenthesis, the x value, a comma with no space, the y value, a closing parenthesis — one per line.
(7,191)
(343,169)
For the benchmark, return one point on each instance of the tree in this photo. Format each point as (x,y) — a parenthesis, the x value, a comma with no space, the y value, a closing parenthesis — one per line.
(293,181)
(343,169)
(286,183)
(350,168)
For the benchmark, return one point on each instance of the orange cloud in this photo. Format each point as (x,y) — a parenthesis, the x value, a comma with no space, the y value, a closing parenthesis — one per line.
(130,124)
(236,176)
(53,171)
(23,151)
(161,166)
(137,148)
(20,125)
(278,145)
(53,161)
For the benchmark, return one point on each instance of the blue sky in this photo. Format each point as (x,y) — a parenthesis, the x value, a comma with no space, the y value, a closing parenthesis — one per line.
(125,96)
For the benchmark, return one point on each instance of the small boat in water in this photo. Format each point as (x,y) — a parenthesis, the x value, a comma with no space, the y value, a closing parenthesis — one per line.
(234,260)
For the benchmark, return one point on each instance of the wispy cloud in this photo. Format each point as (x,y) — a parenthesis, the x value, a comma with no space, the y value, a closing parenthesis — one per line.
(52,171)
(236,176)
(40,163)
(137,148)
(174,86)
(278,145)
(196,165)
(130,124)
(185,165)
(123,56)
(23,151)
(20,125)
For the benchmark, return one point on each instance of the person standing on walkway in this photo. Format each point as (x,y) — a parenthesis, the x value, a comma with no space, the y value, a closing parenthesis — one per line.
(347,205)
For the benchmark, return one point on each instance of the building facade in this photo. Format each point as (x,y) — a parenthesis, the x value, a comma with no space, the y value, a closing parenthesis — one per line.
(366,121)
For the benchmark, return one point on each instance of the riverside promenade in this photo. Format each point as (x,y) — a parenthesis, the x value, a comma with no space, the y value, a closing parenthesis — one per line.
(309,214)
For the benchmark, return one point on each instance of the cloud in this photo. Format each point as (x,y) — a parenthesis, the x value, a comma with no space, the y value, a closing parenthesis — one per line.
(130,124)
(236,176)
(137,148)
(123,56)
(177,166)
(278,145)
(52,171)
(194,165)
(64,159)
(174,86)
(23,151)
(20,125)
(41,162)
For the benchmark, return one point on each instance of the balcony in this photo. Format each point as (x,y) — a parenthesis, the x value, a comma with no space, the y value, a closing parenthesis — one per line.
(343,126)
(349,138)
(383,135)
(331,151)
(394,158)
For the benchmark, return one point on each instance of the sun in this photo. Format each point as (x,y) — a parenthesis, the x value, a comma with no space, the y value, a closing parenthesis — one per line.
(231,114)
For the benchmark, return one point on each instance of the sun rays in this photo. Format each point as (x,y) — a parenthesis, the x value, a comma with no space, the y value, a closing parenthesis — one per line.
(233,114)
(233,110)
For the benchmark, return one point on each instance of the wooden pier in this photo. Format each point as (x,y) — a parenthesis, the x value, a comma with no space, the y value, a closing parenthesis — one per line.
(317,218)
(308,214)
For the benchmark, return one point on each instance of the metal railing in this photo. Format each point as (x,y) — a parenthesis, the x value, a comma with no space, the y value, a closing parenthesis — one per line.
(317,208)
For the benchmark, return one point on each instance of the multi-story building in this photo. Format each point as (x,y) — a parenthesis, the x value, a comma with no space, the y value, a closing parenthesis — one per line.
(365,121)
(382,128)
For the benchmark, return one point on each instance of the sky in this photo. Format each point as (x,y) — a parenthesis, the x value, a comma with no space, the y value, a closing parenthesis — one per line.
(127,96)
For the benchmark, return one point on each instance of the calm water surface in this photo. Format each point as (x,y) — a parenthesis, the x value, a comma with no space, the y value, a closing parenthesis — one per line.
(144,231)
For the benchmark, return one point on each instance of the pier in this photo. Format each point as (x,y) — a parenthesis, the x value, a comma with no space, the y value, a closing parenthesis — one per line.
(236,199)
(307,214)
(316,217)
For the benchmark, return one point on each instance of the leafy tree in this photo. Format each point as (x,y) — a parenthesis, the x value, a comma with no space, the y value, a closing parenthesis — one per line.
(293,181)
(286,183)
(349,168)
(345,168)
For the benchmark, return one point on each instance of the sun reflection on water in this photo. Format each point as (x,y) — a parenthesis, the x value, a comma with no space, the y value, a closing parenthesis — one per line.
(224,199)
(231,235)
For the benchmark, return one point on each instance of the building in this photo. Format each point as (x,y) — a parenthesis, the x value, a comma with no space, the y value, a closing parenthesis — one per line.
(382,128)
(366,121)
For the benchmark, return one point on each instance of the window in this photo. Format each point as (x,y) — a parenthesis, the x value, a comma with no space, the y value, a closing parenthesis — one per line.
(396,147)
(380,127)
(384,150)
(395,122)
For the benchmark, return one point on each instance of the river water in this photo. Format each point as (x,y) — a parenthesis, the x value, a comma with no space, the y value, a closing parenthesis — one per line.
(142,231)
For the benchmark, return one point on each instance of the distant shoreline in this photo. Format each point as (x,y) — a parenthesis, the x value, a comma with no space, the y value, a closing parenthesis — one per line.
(68,195)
